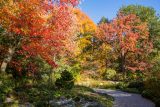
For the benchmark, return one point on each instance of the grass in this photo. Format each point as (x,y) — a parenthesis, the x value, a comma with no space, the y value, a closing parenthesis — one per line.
(93,83)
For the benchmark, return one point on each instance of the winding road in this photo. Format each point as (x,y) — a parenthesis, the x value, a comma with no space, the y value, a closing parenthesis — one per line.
(124,99)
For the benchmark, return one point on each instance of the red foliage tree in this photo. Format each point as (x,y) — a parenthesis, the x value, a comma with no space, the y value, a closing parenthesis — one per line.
(38,28)
(128,37)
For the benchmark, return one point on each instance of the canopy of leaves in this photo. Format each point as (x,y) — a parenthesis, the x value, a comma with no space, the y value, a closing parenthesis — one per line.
(87,30)
(148,15)
(126,34)
(38,28)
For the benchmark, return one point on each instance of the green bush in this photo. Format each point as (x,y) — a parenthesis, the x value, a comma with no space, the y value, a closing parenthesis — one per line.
(73,67)
(121,85)
(136,84)
(147,93)
(136,76)
(152,87)
(109,74)
(131,90)
(6,86)
(66,81)
(119,77)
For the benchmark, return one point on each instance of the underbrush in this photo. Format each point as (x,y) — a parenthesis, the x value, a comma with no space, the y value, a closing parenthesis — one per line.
(131,87)
(152,90)
(40,96)
(88,94)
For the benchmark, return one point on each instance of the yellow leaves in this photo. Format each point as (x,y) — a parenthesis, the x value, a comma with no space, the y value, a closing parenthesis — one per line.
(106,47)
(6,2)
(8,12)
(86,29)
(86,24)
(83,42)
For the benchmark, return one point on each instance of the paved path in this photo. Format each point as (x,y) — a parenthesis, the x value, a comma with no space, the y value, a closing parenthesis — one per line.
(124,99)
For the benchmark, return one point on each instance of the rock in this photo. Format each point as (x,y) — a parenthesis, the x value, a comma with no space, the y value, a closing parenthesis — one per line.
(61,102)
(62,98)
(64,101)
(71,104)
(8,100)
(78,101)
(91,104)
(53,103)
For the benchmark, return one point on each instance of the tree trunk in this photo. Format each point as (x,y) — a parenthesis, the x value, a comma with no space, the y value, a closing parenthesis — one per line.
(122,64)
(106,63)
(7,59)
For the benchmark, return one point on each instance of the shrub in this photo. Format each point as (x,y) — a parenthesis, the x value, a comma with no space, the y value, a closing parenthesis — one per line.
(6,86)
(72,66)
(147,93)
(136,84)
(66,81)
(121,85)
(109,74)
(152,87)
(119,77)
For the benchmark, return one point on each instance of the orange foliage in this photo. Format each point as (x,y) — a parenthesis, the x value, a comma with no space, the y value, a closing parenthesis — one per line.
(43,26)
(127,35)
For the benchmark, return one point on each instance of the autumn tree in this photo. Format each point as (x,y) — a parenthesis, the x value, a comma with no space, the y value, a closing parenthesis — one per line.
(87,29)
(101,51)
(36,28)
(128,38)
(147,15)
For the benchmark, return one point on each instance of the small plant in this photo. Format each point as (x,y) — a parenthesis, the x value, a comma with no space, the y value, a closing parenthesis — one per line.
(66,81)
(121,85)
(109,74)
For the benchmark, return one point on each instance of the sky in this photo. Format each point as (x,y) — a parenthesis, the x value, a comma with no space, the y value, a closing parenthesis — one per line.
(95,9)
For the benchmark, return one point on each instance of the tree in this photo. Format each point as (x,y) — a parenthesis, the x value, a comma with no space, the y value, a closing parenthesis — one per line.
(103,20)
(101,51)
(128,38)
(148,15)
(37,28)
(85,37)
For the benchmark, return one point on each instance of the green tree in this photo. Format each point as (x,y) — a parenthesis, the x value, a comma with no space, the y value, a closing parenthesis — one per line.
(103,20)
